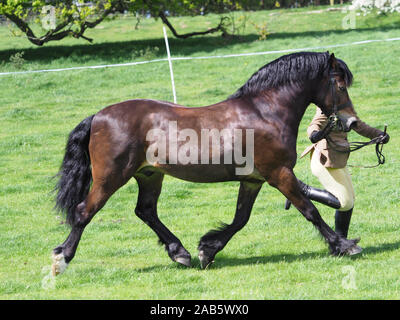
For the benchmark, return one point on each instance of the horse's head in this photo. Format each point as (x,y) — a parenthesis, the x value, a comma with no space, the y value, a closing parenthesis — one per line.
(333,98)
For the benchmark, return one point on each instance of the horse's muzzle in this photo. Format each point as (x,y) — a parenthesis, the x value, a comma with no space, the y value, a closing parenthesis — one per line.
(348,123)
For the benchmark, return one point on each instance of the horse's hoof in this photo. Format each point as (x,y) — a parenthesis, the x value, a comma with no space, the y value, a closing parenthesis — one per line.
(205,261)
(59,265)
(184,261)
(353,250)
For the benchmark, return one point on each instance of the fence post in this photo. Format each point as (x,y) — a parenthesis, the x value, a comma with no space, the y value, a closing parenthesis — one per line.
(170,64)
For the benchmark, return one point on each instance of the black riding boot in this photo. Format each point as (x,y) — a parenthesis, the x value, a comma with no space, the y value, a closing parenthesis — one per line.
(342,222)
(322,196)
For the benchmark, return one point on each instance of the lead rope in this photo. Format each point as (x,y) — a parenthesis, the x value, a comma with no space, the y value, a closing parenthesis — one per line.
(357,145)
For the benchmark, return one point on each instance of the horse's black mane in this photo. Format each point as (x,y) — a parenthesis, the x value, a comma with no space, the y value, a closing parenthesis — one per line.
(291,68)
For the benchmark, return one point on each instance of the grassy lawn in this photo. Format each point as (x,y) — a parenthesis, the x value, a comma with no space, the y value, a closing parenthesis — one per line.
(278,255)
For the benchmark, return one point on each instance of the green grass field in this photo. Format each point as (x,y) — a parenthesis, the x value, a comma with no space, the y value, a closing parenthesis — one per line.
(278,255)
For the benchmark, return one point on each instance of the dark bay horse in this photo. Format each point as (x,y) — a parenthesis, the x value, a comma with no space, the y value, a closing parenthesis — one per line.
(107,149)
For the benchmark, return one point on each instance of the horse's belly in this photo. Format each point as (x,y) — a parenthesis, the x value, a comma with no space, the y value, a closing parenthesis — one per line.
(195,172)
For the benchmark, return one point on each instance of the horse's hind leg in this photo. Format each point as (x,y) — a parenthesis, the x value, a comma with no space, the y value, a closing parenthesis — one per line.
(215,240)
(146,210)
(285,180)
(101,191)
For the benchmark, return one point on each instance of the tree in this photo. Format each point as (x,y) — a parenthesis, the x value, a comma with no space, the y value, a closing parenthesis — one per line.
(60,19)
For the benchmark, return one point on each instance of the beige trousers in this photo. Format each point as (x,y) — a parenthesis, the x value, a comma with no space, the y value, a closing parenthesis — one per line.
(336,181)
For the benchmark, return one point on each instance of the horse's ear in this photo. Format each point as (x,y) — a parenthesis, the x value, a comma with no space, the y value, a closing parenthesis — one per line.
(332,61)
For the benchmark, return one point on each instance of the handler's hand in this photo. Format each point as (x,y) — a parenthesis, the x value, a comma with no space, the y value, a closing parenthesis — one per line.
(321,134)
(384,138)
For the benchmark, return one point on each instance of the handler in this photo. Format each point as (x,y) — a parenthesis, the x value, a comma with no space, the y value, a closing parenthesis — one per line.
(329,165)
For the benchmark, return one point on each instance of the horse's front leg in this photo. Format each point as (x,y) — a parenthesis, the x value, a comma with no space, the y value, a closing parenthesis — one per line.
(284,180)
(146,210)
(215,240)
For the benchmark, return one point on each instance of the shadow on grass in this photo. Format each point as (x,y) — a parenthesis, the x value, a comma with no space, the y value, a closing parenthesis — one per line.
(316,34)
(169,266)
(126,50)
(225,261)
(123,51)
(383,247)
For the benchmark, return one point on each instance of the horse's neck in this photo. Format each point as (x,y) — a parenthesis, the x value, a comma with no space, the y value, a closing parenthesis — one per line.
(287,103)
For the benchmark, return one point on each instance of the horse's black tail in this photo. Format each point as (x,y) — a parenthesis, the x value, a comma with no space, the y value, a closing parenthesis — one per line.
(75,174)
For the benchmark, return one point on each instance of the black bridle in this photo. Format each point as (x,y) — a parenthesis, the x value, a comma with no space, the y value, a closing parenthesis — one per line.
(333,117)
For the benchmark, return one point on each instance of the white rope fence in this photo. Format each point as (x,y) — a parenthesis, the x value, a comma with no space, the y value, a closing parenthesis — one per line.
(203,57)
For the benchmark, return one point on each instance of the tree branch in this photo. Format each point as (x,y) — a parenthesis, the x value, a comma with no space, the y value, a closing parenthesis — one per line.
(24,27)
(57,33)
(219,27)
